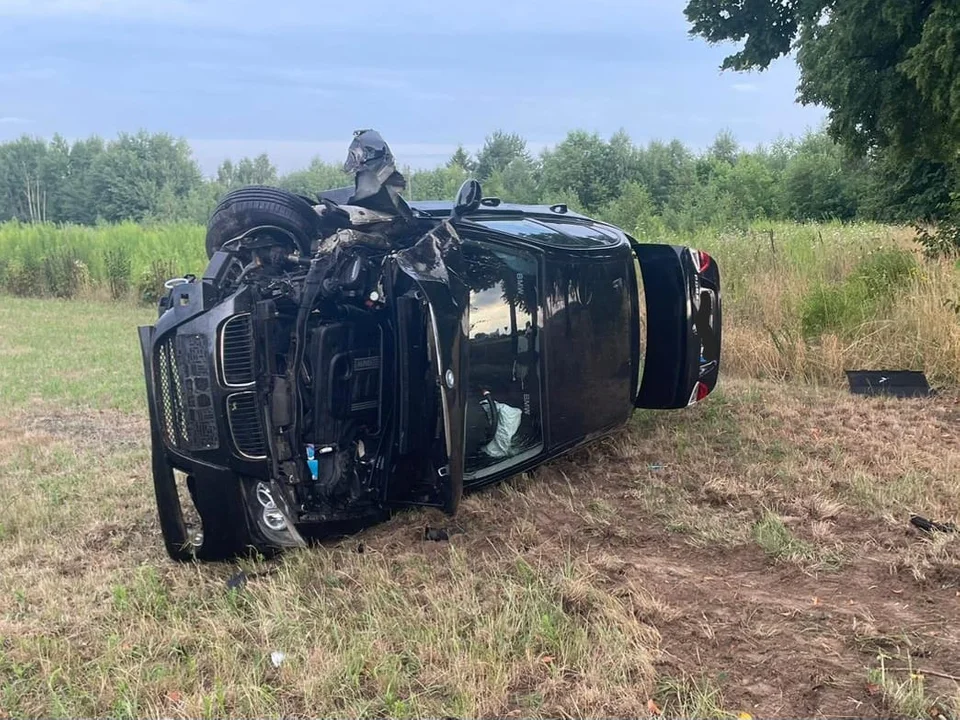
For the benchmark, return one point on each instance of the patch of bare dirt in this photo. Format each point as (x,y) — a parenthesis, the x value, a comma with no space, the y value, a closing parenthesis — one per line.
(110,430)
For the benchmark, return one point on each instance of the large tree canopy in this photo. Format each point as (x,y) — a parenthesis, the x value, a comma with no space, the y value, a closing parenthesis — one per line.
(887,70)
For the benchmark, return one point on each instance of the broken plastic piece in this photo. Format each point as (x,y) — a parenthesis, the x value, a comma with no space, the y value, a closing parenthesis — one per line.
(312,462)
(929,525)
(237,582)
(377,182)
(435,534)
(277,657)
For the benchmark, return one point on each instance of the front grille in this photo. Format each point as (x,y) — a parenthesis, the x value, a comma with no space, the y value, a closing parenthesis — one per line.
(243,414)
(236,351)
(169,397)
(184,392)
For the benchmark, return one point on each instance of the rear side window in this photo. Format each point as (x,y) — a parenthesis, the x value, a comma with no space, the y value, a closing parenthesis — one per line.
(554,232)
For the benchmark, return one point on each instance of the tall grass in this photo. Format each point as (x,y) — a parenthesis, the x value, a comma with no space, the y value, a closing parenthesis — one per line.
(800,301)
(821,299)
(66,260)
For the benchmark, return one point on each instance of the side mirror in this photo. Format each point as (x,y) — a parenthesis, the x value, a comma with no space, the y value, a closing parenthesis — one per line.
(468,198)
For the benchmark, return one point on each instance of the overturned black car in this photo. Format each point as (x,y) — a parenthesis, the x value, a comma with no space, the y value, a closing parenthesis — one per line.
(348,355)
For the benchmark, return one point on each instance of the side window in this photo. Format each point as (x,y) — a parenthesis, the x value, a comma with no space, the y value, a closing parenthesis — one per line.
(503,404)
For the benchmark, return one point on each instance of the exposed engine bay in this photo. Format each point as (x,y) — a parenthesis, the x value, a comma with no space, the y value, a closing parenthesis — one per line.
(314,352)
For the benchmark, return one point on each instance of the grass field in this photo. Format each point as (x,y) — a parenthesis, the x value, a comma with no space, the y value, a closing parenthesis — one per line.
(750,555)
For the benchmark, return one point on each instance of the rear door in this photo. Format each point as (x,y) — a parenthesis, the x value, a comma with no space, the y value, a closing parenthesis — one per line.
(682,315)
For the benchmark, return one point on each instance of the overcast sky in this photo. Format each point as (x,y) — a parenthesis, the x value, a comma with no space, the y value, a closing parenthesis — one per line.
(295,78)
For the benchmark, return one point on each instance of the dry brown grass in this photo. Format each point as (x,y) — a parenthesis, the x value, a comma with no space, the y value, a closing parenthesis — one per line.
(917,327)
(750,554)
(574,592)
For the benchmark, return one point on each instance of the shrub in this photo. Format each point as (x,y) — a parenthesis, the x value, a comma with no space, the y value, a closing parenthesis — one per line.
(25,277)
(831,308)
(884,272)
(117,266)
(874,283)
(64,273)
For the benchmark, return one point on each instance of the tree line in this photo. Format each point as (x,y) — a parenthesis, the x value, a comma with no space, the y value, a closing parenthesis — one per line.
(147,177)
(887,73)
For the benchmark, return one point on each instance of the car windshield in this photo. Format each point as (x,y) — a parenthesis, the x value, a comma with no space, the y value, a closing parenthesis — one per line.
(503,406)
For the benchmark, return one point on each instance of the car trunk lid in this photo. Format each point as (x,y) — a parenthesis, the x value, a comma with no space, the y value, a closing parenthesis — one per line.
(683,325)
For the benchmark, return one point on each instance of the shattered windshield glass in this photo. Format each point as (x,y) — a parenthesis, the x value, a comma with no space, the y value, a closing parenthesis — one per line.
(503,405)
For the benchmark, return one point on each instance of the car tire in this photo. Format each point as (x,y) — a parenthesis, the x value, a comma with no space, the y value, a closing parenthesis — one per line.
(249,207)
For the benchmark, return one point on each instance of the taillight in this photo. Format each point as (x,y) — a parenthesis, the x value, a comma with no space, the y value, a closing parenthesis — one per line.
(702,391)
(701,260)
(705,261)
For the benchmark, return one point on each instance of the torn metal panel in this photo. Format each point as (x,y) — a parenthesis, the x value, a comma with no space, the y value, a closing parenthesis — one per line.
(377,182)
(350,238)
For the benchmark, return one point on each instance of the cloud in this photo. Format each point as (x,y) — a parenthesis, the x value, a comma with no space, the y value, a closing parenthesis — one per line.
(745,87)
(10,120)
(25,75)
(145,9)
(254,16)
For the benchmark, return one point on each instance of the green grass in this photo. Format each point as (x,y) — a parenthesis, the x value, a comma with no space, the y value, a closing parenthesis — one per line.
(84,354)
(691,697)
(906,692)
(560,595)
(777,541)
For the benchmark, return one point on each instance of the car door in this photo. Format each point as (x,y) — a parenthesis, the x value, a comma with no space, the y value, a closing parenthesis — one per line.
(504,423)
(435,264)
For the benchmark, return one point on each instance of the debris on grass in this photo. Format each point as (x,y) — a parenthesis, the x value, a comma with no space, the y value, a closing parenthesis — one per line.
(896,383)
(435,534)
(237,582)
(930,525)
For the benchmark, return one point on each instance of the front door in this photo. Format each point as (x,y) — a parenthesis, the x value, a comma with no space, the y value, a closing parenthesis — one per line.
(504,405)
(435,263)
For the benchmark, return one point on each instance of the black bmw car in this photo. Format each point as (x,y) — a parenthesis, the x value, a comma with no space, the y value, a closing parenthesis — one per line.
(352,354)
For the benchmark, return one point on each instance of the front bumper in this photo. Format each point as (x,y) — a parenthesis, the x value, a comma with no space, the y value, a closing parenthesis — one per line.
(205,424)
(196,416)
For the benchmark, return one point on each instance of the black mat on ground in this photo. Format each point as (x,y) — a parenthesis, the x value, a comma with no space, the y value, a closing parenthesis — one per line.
(897,383)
